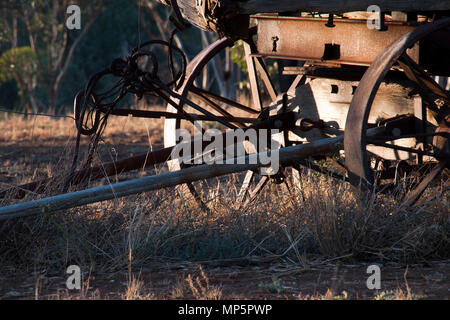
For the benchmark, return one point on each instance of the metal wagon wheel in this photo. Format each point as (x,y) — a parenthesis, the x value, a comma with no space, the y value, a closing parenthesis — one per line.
(260,81)
(431,131)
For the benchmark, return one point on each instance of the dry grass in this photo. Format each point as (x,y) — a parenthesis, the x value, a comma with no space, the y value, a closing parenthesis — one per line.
(201,289)
(326,222)
(136,289)
(397,294)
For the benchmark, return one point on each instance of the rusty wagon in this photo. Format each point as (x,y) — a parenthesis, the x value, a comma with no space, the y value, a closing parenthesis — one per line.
(366,93)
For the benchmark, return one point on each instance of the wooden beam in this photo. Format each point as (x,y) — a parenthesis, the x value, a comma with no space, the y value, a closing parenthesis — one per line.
(286,156)
(331,6)
(196,11)
(164,180)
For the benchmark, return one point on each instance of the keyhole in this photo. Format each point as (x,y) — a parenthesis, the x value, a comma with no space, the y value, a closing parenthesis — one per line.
(274,44)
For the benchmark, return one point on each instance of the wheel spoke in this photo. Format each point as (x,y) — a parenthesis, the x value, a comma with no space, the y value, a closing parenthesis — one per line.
(262,182)
(312,166)
(252,77)
(299,79)
(396,147)
(427,85)
(216,107)
(406,136)
(244,188)
(198,198)
(264,74)
(200,109)
(224,100)
(415,194)
(421,74)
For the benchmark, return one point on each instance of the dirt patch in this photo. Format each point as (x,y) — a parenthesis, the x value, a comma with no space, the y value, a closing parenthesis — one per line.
(265,281)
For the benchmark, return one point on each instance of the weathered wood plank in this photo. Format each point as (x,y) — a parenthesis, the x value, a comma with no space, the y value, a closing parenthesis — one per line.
(286,156)
(229,15)
(170,179)
(332,6)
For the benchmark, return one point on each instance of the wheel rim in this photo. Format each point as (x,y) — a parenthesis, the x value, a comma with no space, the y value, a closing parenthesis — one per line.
(355,141)
(194,70)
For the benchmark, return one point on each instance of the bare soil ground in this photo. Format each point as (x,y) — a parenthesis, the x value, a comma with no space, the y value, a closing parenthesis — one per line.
(265,281)
(157,246)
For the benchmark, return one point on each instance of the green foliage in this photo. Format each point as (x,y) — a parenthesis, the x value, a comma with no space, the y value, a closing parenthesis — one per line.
(20,61)
(238,55)
(40,25)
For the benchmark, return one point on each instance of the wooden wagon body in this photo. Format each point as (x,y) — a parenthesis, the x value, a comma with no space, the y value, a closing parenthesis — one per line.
(228,15)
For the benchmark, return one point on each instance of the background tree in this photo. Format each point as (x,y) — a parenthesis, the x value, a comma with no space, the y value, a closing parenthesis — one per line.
(49,44)
(52,63)
(20,64)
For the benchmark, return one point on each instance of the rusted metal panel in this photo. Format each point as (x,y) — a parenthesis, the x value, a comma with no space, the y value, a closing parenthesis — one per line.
(348,42)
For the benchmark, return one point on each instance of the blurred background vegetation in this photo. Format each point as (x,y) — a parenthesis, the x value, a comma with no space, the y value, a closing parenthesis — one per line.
(43,64)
